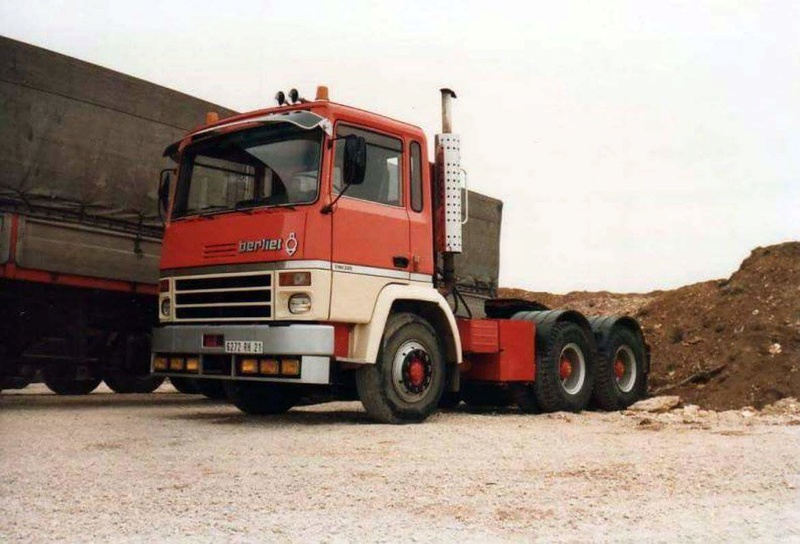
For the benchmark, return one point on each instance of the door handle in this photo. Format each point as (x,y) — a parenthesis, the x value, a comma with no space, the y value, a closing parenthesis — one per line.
(400,261)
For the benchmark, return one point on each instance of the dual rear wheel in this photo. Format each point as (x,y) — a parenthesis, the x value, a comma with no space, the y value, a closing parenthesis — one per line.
(571,373)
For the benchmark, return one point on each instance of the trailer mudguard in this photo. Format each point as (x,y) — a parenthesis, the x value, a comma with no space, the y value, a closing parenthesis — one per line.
(366,341)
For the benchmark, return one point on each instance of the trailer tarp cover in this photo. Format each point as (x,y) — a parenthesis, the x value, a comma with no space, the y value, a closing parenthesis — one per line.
(81,138)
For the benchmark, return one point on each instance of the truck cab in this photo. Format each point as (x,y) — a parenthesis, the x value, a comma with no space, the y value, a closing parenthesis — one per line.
(292,234)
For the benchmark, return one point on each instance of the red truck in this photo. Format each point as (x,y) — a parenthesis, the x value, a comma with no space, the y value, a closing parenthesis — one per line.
(315,245)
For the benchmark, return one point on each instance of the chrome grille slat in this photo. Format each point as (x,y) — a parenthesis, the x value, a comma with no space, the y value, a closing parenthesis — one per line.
(224,297)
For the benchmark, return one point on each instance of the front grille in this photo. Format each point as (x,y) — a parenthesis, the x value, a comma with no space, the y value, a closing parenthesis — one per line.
(229,297)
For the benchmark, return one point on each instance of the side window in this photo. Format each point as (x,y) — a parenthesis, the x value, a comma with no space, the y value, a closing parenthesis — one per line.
(383,177)
(416,177)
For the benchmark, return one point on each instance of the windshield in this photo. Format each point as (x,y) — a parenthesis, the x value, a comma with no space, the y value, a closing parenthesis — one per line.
(267,166)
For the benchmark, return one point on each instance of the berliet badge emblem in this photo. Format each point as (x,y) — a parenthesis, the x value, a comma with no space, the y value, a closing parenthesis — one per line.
(270,244)
(291,244)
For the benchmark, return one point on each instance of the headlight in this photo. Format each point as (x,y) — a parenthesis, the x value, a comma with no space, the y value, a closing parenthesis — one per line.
(300,303)
(166,307)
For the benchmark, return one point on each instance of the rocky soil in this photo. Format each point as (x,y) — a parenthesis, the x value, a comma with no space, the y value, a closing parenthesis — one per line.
(719,344)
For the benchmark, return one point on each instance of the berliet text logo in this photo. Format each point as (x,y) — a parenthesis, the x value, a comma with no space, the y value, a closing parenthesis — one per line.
(269,244)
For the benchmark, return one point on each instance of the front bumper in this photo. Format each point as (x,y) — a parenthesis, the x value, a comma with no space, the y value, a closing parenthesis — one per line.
(313,345)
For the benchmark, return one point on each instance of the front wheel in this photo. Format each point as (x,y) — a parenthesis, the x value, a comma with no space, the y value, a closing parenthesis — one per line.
(565,371)
(187,386)
(258,398)
(406,382)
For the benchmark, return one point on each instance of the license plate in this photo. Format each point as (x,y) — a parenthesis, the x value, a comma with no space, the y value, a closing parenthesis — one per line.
(244,346)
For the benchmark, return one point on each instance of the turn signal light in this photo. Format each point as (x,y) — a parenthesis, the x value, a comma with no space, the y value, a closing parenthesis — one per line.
(249,366)
(290,367)
(192,364)
(176,364)
(160,363)
(294,279)
(269,367)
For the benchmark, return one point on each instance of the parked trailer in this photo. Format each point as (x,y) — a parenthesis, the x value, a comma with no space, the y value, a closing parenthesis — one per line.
(314,245)
(80,235)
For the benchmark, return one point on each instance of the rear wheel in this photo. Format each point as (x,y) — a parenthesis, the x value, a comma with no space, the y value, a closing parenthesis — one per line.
(565,371)
(621,379)
(187,386)
(65,381)
(258,398)
(125,382)
(212,389)
(406,382)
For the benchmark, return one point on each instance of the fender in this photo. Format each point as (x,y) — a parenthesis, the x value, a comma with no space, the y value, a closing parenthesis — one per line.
(366,338)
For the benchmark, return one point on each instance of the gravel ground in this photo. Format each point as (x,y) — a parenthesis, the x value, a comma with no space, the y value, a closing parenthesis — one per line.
(174,467)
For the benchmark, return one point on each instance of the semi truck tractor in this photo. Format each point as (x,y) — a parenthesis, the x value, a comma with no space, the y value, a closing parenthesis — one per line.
(315,246)
(80,235)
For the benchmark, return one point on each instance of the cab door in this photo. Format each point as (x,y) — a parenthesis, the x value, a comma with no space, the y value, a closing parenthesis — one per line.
(370,246)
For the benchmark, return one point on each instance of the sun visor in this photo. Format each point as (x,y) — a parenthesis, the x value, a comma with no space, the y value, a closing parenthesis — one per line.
(300,118)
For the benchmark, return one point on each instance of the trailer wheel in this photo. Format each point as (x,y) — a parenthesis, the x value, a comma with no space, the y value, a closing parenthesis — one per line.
(125,382)
(63,381)
(187,386)
(621,378)
(565,372)
(406,382)
(212,389)
(259,399)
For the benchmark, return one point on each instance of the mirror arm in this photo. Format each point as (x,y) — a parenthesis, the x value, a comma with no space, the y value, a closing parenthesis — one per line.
(331,140)
(329,207)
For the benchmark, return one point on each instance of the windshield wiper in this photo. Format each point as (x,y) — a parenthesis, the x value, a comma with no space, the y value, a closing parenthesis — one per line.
(208,210)
(249,204)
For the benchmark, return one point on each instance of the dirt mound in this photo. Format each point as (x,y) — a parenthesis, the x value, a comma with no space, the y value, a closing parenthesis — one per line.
(718,344)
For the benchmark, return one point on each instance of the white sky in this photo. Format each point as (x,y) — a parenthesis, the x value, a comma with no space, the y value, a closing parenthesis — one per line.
(637,145)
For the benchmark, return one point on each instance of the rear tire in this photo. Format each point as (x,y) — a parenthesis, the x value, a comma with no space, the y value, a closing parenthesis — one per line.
(212,389)
(406,382)
(187,386)
(63,381)
(565,369)
(621,378)
(259,398)
(126,383)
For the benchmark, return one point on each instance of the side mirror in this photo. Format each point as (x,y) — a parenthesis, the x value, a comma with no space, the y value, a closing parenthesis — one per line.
(163,192)
(355,160)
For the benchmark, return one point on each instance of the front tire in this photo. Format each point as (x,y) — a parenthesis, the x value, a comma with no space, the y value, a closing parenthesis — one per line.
(187,386)
(406,382)
(259,399)
(621,378)
(565,371)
